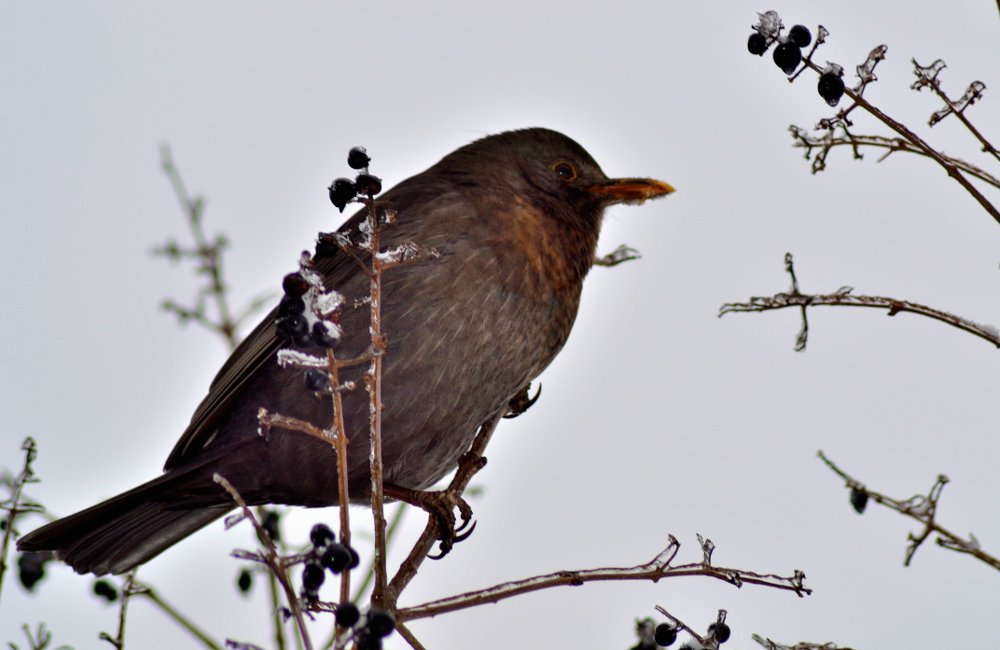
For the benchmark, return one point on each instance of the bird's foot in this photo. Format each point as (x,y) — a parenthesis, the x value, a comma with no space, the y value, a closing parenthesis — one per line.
(441,505)
(522,402)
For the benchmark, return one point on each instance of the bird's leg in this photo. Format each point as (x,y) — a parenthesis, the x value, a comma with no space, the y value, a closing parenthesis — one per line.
(441,505)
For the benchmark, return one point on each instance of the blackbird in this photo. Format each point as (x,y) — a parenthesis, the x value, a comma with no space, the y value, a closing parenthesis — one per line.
(513,221)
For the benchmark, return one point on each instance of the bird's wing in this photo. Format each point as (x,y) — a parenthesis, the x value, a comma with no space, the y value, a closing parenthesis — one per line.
(256,350)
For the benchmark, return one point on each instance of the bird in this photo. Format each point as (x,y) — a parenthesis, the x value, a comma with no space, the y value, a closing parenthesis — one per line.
(513,221)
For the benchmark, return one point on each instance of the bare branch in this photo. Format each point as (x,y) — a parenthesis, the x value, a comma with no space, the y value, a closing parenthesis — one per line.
(922,509)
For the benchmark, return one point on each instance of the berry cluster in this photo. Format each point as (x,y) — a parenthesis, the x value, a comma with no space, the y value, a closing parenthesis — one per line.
(106,590)
(369,629)
(344,190)
(788,53)
(326,553)
(301,326)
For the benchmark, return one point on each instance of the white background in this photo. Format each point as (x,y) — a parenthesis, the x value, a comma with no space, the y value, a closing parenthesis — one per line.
(657,417)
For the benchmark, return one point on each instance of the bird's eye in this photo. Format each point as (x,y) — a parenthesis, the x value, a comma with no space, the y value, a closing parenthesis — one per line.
(565,171)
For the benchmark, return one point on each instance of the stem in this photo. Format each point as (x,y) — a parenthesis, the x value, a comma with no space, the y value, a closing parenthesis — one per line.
(373,380)
(340,444)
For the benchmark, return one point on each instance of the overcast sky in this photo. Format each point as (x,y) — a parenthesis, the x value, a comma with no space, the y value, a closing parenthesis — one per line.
(657,417)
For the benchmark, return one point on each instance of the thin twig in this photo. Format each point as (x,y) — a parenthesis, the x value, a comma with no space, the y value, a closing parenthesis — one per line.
(373,382)
(844,298)
(13,505)
(274,561)
(408,636)
(118,641)
(826,142)
(654,570)
(922,509)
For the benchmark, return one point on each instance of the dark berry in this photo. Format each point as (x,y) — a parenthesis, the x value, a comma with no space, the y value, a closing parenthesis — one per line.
(317,380)
(380,622)
(358,158)
(31,568)
(368,185)
(291,305)
(294,285)
(720,631)
(105,590)
(859,499)
(799,34)
(355,558)
(336,557)
(830,87)
(245,581)
(341,191)
(325,334)
(347,614)
(787,57)
(269,522)
(290,327)
(312,577)
(366,641)
(665,634)
(757,44)
(321,535)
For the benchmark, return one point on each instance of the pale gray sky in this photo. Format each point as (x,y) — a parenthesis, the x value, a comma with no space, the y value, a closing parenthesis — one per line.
(657,417)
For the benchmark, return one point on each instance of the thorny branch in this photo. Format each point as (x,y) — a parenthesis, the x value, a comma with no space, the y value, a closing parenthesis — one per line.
(844,298)
(922,509)
(657,568)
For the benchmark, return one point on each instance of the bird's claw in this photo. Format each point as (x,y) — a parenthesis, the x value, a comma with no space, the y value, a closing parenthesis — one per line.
(522,402)
(440,505)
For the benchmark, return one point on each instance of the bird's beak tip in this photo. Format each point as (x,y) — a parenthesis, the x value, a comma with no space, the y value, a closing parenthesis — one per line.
(630,190)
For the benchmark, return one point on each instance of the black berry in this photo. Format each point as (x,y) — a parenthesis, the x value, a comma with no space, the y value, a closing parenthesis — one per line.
(336,557)
(347,614)
(104,589)
(321,535)
(325,334)
(316,380)
(244,581)
(380,622)
(31,568)
(799,34)
(358,158)
(341,191)
(294,285)
(757,44)
(367,184)
(787,57)
(269,522)
(859,499)
(291,305)
(720,631)
(830,87)
(291,327)
(312,577)
(665,634)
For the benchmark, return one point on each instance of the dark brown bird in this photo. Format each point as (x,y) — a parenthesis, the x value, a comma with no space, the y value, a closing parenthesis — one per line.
(514,219)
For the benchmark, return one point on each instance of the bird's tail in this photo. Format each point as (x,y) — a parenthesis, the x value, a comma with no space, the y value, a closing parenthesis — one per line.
(129,529)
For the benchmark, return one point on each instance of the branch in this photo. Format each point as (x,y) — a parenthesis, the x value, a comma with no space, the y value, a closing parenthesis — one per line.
(773,645)
(828,141)
(844,298)
(657,568)
(920,508)
(13,505)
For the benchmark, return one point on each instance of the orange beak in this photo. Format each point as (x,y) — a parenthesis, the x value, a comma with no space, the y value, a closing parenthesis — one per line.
(629,190)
